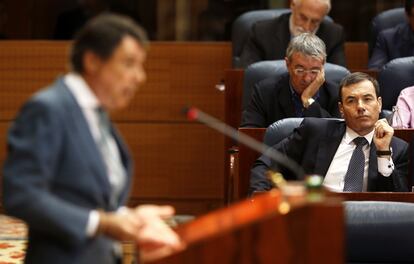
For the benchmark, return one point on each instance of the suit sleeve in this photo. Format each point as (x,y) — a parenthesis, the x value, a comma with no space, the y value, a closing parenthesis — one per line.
(329,108)
(252,51)
(255,114)
(337,52)
(293,147)
(316,110)
(400,173)
(34,150)
(379,55)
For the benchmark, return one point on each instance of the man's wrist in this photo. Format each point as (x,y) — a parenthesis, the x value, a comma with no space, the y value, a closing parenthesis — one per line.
(384,153)
(307,102)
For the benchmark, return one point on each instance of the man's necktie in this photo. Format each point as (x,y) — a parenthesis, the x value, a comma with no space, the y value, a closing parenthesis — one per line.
(111,157)
(355,174)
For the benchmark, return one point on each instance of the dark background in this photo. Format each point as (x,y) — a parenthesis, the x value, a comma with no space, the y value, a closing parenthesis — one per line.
(192,20)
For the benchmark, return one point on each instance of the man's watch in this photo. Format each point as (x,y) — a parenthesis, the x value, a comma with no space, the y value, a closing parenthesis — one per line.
(308,102)
(384,152)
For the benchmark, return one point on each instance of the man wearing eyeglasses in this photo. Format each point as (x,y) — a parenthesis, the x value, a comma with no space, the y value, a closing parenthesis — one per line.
(301,92)
(269,38)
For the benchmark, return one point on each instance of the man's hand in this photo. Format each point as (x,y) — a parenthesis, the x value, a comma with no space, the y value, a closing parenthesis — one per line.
(313,87)
(143,225)
(383,133)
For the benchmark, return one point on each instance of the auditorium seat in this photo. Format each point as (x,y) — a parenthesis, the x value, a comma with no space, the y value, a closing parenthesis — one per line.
(386,19)
(275,68)
(379,232)
(393,77)
(241,28)
(280,130)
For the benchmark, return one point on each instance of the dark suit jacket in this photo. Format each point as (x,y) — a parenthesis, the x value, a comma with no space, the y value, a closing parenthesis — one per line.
(54,175)
(392,43)
(269,39)
(272,100)
(313,146)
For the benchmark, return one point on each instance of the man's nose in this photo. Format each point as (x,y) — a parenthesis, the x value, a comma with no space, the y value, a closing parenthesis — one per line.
(307,26)
(361,105)
(140,76)
(308,77)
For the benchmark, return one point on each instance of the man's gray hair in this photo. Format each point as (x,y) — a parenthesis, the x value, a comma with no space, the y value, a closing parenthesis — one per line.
(308,44)
(327,2)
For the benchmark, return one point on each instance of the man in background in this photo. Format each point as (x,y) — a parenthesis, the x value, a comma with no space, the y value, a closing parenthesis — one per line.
(396,42)
(354,155)
(269,38)
(68,172)
(301,92)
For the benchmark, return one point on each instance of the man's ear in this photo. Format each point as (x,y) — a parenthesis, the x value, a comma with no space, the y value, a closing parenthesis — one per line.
(341,109)
(287,62)
(91,62)
(379,99)
(292,4)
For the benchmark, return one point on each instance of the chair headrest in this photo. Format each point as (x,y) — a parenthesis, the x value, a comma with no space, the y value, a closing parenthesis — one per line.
(280,130)
(379,231)
(393,77)
(241,27)
(387,19)
(262,70)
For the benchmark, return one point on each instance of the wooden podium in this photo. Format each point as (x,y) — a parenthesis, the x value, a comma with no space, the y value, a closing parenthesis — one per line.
(270,228)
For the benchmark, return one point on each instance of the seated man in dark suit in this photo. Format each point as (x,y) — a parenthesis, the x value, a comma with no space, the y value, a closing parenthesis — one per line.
(269,38)
(302,91)
(396,42)
(358,154)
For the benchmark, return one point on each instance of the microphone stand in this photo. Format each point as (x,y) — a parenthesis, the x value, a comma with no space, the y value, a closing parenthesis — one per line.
(193,113)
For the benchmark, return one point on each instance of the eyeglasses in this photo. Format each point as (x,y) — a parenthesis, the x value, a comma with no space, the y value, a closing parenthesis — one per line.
(302,72)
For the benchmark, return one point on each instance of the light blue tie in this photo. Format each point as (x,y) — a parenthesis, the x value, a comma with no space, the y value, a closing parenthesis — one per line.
(111,157)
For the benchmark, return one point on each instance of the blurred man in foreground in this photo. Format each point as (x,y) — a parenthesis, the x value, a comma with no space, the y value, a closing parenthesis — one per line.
(68,172)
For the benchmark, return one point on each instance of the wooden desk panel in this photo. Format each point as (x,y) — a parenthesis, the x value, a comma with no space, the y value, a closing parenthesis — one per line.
(356,54)
(178,74)
(258,231)
(177,162)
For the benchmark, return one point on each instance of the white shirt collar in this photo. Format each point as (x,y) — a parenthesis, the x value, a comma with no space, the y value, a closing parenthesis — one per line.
(350,135)
(83,94)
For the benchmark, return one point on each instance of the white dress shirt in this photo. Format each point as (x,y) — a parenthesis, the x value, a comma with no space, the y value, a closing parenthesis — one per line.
(335,176)
(88,103)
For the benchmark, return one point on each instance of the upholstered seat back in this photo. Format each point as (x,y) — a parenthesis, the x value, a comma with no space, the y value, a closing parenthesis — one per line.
(393,77)
(281,129)
(259,71)
(242,25)
(379,232)
(387,19)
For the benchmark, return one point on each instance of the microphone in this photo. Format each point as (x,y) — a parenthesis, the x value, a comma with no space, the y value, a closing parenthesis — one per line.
(194,114)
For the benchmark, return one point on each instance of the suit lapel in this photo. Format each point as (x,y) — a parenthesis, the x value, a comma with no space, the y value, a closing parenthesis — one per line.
(282,35)
(284,99)
(328,146)
(82,132)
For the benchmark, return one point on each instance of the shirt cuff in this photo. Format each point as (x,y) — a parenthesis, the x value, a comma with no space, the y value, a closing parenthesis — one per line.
(385,166)
(93,222)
